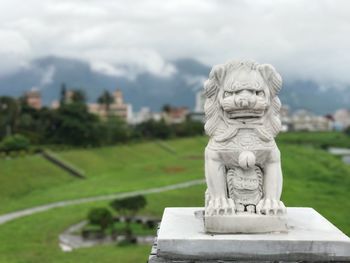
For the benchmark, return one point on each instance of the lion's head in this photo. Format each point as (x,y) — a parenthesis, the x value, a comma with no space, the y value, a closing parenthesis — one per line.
(241,92)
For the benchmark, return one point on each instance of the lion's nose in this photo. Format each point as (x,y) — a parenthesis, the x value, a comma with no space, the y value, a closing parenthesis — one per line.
(246,102)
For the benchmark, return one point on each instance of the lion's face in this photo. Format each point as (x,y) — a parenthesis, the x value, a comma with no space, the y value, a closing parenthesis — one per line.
(242,91)
(244,95)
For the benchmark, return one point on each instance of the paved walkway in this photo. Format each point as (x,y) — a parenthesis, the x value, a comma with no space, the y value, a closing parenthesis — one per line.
(30,211)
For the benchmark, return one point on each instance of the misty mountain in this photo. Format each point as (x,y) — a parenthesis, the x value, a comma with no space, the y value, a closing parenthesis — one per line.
(149,90)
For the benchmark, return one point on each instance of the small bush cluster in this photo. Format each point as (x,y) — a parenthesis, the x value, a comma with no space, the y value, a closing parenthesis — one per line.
(101,219)
(15,143)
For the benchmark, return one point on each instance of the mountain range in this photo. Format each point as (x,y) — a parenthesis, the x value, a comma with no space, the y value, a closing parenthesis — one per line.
(146,89)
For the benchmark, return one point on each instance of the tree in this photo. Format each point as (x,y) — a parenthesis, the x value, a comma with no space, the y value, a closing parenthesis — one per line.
(63,94)
(188,128)
(166,108)
(106,99)
(154,129)
(78,96)
(72,124)
(128,207)
(9,114)
(115,130)
(347,131)
(101,217)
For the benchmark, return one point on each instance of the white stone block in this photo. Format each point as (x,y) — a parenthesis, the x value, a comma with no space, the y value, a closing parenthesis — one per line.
(246,223)
(310,237)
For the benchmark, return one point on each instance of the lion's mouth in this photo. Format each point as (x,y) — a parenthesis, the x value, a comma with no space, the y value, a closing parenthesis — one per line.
(245,114)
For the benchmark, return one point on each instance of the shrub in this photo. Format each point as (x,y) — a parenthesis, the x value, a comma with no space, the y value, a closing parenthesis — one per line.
(15,142)
(129,205)
(347,131)
(101,217)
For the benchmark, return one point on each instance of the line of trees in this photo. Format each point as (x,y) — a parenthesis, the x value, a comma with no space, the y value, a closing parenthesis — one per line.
(72,124)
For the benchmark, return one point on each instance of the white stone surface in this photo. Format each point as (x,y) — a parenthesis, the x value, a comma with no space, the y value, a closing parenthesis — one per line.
(246,223)
(310,237)
(242,161)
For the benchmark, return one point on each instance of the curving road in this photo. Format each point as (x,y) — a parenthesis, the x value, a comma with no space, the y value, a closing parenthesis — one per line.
(37,209)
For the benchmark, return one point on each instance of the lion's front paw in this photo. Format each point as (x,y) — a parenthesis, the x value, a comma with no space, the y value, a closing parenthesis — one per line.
(220,206)
(271,207)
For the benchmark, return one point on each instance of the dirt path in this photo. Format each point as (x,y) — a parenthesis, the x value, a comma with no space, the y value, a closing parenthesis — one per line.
(30,211)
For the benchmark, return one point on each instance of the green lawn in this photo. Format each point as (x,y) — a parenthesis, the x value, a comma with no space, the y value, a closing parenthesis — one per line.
(35,238)
(108,170)
(23,176)
(312,178)
(318,139)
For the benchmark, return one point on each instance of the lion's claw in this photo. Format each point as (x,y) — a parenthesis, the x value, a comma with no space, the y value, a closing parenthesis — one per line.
(271,207)
(220,206)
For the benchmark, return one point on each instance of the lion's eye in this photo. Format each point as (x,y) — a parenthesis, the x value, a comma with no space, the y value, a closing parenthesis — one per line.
(227,93)
(260,93)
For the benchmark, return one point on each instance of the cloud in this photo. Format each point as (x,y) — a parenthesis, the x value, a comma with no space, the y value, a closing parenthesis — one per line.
(47,76)
(130,63)
(107,69)
(195,81)
(14,49)
(304,39)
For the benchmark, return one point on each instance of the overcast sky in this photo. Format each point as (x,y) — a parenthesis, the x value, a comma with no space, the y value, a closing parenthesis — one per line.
(307,39)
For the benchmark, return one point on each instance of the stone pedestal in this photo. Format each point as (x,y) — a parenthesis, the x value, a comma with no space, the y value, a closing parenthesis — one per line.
(246,223)
(310,237)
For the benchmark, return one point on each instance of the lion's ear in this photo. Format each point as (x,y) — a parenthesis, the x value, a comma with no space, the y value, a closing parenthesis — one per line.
(218,72)
(211,106)
(271,77)
(215,78)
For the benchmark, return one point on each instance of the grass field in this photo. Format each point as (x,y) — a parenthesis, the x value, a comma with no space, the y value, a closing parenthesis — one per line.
(35,238)
(108,170)
(312,177)
(316,139)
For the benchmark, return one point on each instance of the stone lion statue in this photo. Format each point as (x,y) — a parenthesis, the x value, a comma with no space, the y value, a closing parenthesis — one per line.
(242,161)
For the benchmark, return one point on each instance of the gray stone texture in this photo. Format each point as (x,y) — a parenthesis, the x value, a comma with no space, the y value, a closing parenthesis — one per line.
(310,237)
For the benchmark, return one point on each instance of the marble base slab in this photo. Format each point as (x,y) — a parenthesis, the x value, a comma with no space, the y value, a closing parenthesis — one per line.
(246,223)
(310,237)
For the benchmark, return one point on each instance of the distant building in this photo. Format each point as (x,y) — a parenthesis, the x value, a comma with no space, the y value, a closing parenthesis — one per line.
(143,115)
(341,119)
(200,100)
(68,98)
(175,115)
(198,113)
(117,108)
(285,118)
(303,120)
(55,104)
(33,98)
